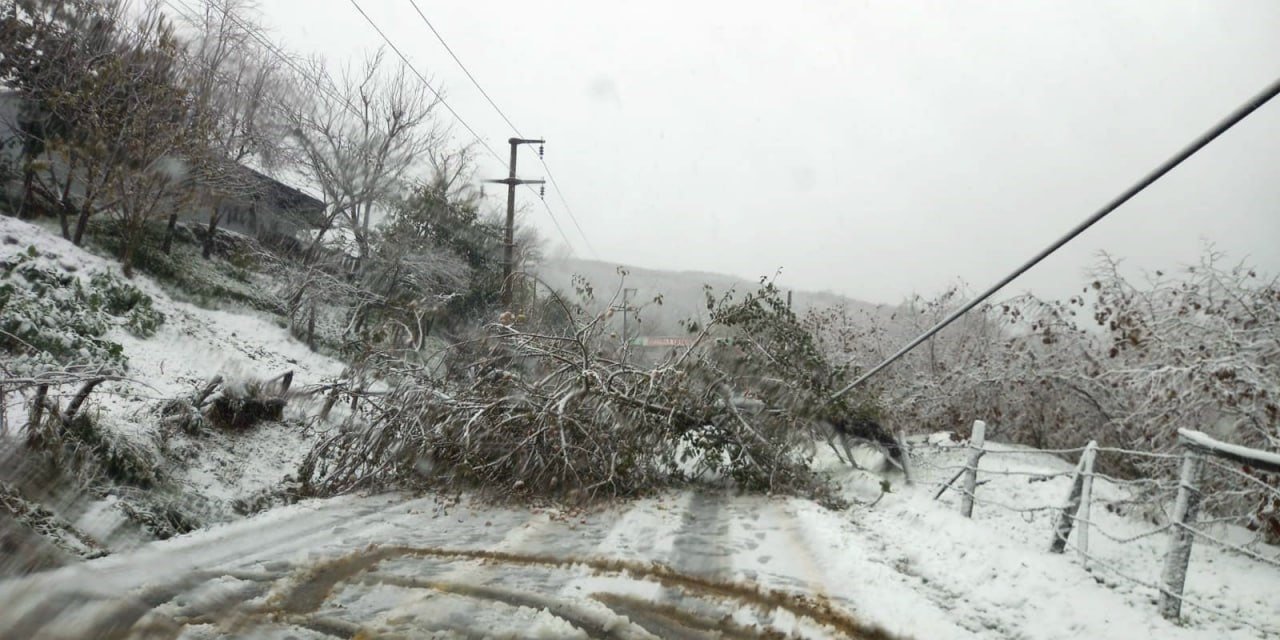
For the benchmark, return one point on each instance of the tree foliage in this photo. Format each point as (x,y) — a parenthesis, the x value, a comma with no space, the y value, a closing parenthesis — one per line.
(540,408)
(1126,361)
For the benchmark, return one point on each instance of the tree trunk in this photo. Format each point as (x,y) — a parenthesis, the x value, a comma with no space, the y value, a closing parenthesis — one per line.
(214,217)
(28,190)
(82,222)
(83,394)
(169,231)
(64,219)
(126,255)
(329,402)
(36,414)
(311,329)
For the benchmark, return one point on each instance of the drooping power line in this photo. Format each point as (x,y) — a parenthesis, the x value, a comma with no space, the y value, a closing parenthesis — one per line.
(440,97)
(424,81)
(547,168)
(464,68)
(1199,143)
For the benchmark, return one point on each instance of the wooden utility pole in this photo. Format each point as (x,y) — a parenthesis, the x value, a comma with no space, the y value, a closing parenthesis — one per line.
(508,250)
(626,306)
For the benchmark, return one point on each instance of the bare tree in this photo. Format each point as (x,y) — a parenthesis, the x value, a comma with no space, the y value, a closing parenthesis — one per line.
(159,131)
(359,138)
(62,57)
(235,85)
(108,125)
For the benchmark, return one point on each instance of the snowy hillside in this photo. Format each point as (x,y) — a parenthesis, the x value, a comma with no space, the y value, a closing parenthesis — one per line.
(909,567)
(205,473)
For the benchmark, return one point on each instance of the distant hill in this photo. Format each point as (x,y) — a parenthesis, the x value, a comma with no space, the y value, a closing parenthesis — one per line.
(681,291)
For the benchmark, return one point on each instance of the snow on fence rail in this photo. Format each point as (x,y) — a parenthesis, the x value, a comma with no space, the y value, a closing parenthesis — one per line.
(1196,451)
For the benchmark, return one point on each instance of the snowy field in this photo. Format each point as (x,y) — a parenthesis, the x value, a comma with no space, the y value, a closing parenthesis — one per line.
(399,566)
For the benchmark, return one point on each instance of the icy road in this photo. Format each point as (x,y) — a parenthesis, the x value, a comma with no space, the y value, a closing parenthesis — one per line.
(394,568)
(682,565)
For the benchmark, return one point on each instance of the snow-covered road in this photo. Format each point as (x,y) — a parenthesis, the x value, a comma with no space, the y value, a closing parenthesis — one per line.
(682,565)
(405,568)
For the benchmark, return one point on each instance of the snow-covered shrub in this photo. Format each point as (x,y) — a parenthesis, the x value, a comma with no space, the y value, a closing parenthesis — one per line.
(1126,362)
(161,516)
(44,523)
(178,414)
(81,446)
(189,275)
(108,293)
(287,493)
(49,318)
(240,407)
(544,410)
(46,321)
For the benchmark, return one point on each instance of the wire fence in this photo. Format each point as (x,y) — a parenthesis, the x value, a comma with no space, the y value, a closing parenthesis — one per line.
(1172,505)
(1182,599)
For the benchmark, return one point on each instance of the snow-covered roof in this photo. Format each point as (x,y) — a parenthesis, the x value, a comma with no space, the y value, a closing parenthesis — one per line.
(288,175)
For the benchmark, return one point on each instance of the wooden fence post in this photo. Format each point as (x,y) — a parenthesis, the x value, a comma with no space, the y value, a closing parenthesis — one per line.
(976,441)
(1086,496)
(1180,537)
(1076,503)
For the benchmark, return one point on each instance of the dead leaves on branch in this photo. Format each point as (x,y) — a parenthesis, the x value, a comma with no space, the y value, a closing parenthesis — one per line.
(550,410)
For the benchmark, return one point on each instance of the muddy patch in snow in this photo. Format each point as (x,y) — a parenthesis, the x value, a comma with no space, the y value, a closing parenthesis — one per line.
(333,591)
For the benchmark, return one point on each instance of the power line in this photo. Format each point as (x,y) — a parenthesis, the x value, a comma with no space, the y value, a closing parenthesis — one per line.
(332,92)
(550,176)
(444,102)
(1199,143)
(187,12)
(464,68)
(572,218)
(425,83)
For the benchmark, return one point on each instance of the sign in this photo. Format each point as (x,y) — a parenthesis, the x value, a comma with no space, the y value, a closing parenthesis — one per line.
(657,341)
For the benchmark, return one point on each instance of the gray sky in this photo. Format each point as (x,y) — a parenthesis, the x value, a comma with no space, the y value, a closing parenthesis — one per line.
(868,148)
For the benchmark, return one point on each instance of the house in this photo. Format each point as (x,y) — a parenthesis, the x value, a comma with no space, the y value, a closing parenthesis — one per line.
(263,208)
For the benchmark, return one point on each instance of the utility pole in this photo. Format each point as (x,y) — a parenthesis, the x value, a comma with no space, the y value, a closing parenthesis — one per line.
(626,306)
(508,250)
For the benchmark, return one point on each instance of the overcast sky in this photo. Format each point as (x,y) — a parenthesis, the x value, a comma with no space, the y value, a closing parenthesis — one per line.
(868,148)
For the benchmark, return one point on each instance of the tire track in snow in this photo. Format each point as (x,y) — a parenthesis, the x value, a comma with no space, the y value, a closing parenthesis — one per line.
(91,593)
(647,531)
(364,564)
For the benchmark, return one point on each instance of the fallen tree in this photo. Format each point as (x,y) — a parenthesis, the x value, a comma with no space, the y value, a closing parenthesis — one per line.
(543,408)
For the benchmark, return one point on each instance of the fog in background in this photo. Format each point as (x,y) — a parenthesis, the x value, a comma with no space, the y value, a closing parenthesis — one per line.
(868,148)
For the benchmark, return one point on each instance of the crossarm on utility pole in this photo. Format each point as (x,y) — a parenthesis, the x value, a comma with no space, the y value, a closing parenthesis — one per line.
(509,241)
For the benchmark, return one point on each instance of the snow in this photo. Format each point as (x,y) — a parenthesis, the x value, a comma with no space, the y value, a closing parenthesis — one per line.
(193,345)
(911,564)
(1262,457)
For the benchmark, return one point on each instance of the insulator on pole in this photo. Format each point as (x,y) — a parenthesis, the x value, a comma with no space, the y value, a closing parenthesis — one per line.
(542,192)
(541,149)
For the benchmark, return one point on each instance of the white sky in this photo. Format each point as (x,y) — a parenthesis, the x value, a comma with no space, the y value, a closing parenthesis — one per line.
(868,148)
